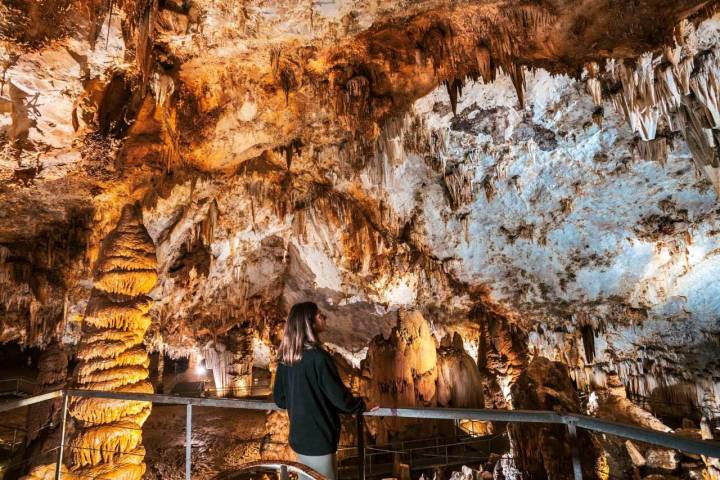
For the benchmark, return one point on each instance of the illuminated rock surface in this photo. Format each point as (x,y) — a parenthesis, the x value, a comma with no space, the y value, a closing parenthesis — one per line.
(539,178)
(107,441)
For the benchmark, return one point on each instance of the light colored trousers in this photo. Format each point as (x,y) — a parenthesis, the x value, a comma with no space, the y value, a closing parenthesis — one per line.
(324,465)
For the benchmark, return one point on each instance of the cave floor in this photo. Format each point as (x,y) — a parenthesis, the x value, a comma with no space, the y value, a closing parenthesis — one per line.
(221,440)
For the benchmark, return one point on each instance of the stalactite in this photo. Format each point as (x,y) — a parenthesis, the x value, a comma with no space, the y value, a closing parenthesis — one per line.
(292,148)
(517,75)
(454,88)
(460,186)
(109,432)
(638,100)
(594,88)
(655,150)
(207,227)
(701,141)
(143,17)
(485,64)
(680,87)
(588,338)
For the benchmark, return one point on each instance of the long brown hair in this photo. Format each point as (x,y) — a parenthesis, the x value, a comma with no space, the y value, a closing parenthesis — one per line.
(299,332)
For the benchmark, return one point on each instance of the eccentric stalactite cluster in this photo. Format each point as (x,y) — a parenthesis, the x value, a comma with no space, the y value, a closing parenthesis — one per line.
(676,91)
(107,442)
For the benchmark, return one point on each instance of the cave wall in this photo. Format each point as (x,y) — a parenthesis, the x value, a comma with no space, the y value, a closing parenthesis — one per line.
(540,178)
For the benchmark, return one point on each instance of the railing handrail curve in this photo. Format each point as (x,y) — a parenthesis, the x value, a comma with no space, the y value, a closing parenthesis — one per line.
(632,432)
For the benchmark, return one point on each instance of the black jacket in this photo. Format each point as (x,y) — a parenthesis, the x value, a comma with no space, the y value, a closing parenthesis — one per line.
(313,394)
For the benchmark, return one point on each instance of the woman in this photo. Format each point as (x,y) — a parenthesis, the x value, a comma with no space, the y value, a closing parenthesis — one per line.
(307,384)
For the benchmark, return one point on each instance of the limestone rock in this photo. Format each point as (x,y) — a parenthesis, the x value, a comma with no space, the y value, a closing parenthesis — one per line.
(662,459)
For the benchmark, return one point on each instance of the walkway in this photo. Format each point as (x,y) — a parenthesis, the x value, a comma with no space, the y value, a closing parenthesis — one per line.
(571,421)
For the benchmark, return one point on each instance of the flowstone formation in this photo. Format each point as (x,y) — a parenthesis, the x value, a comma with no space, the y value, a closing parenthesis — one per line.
(107,440)
(112,357)
(401,371)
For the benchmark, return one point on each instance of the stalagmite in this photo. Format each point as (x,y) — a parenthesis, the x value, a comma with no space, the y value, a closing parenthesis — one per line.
(459,383)
(401,371)
(240,368)
(217,359)
(109,432)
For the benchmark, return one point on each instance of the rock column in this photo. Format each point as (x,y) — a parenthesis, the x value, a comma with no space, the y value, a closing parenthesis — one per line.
(240,370)
(107,440)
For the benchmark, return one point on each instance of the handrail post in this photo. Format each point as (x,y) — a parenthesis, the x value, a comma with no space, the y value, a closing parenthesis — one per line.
(577,466)
(188,440)
(361,446)
(58,465)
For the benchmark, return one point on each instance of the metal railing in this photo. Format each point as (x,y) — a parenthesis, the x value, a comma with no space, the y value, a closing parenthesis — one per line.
(572,421)
(17,386)
(206,388)
(426,454)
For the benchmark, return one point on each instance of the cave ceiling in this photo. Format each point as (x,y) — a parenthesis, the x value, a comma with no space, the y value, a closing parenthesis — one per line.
(522,158)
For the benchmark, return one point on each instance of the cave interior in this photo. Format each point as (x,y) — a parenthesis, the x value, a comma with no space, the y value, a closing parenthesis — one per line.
(497,204)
